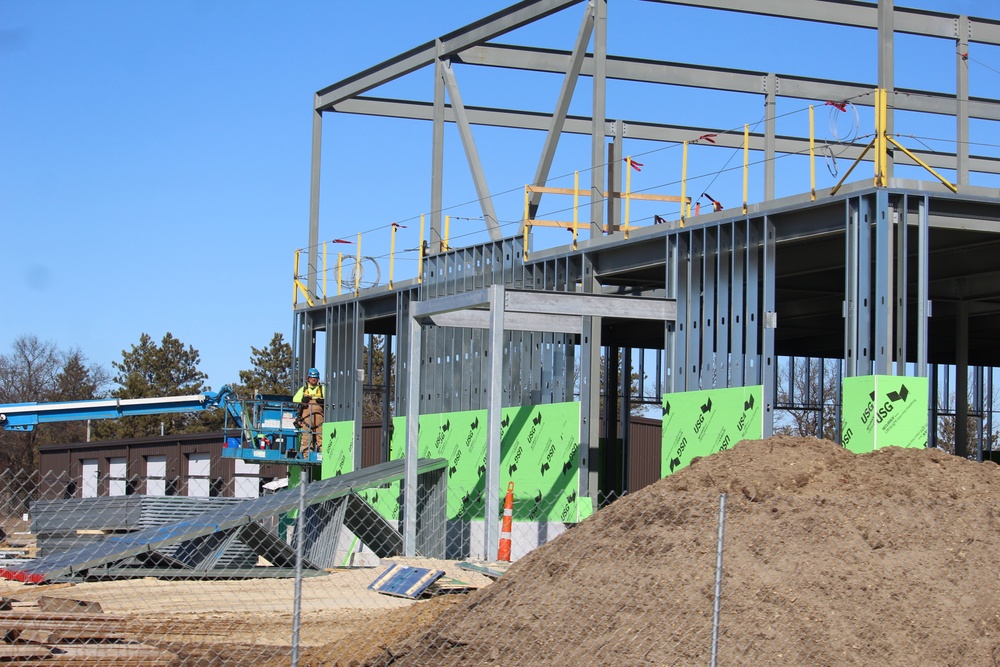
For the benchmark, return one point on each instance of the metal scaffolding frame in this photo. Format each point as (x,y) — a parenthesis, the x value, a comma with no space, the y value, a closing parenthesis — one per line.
(846,274)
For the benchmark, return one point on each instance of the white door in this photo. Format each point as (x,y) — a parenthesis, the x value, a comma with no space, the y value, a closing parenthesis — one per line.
(90,476)
(199,467)
(156,475)
(117,475)
(246,484)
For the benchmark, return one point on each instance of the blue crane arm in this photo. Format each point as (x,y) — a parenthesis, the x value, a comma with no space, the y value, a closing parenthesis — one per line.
(25,416)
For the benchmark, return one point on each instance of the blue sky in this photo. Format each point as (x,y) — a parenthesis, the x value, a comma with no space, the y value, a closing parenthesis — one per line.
(154,155)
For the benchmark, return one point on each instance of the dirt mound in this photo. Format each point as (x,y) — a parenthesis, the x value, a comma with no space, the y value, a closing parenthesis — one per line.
(829,559)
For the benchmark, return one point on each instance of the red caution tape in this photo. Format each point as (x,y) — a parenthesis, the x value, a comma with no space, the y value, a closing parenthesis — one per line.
(340,241)
(657,220)
(635,165)
(396,225)
(710,138)
(716,205)
(840,105)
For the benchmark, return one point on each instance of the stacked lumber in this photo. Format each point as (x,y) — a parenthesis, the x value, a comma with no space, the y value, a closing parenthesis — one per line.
(56,631)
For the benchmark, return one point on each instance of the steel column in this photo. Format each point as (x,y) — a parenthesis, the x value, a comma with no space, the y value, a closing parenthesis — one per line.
(413,364)
(962,100)
(923,284)
(493,417)
(312,255)
(768,362)
(883,311)
(886,79)
(437,157)
(597,128)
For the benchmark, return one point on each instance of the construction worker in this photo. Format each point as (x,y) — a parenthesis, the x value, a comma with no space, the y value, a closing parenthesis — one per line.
(310,400)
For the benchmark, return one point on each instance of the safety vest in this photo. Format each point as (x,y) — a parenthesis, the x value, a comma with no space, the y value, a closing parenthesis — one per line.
(309,391)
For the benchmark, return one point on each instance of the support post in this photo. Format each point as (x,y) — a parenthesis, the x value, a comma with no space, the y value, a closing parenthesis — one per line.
(493,417)
(413,362)
(962,379)
(312,256)
(964,29)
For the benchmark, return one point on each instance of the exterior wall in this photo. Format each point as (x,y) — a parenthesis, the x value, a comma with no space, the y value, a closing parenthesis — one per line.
(61,468)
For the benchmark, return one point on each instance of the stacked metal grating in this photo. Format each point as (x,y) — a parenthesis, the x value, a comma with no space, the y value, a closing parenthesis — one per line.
(63,525)
(200,540)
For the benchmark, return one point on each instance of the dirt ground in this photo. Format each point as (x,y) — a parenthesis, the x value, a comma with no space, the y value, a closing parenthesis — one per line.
(829,559)
(211,623)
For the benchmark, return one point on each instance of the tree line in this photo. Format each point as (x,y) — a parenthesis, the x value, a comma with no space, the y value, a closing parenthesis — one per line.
(37,371)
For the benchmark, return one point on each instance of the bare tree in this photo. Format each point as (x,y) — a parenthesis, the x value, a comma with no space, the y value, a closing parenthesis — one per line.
(28,374)
(807,396)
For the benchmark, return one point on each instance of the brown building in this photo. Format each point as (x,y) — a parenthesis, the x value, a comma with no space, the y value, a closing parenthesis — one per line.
(174,465)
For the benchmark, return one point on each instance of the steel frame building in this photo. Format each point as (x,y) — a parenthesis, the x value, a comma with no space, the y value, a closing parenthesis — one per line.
(887,275)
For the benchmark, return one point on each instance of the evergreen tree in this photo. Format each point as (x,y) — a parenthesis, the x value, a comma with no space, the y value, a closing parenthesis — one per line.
(270,372)
(149,370)
(75,382)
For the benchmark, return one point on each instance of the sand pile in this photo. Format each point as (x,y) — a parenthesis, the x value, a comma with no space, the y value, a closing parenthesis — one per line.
(829,559)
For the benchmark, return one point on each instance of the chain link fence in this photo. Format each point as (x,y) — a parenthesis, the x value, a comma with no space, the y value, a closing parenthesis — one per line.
(652,578)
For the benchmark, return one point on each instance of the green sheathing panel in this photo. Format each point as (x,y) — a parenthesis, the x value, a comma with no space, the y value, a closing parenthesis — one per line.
(338,449)
(884,411)
(699,423)
(538,452)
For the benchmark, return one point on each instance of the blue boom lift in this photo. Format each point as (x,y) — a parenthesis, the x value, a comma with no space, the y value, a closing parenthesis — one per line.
(261,430)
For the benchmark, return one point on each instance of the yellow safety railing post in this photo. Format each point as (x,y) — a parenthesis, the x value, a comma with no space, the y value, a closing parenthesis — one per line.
(880,135)
(447,228)
(746,165)
(324,270)
(684,171)
(854,164)
(295,280)
(812,154)
(357,269)
(923,164)
(340,273)
(297,285)
(880,145)
(420,252)
(576,206)
(628,190)
(527,223)
(885,137)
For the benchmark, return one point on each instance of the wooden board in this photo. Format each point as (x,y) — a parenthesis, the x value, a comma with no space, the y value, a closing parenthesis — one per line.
(12,653)
(492,570)
(51,604)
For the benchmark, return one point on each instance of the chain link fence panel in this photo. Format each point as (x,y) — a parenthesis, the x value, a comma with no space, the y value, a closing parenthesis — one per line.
(186,580)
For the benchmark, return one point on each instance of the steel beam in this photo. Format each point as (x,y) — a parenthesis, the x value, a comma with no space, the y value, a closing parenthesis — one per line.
(530,120)
(562,105)
(841,12)
(523,13)
(471,154)
(719,78)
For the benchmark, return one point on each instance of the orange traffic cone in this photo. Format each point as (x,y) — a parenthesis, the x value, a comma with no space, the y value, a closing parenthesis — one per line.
(508,517)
